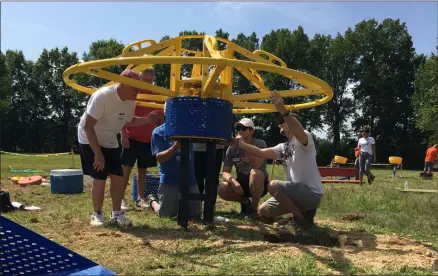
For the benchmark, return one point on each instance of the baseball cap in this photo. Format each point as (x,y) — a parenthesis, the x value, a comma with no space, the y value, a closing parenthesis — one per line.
(130,74)
(246,122)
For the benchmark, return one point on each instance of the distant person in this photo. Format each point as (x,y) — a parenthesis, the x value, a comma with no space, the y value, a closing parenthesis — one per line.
(168,153)
(356,155)
(251,181)
(302,191)
(431,155)
(136,147)
(367,155)
(109,109)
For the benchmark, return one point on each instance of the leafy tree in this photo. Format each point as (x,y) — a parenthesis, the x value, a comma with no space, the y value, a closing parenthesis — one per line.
(65,104)
(386,71)
(425,99)
(334,61)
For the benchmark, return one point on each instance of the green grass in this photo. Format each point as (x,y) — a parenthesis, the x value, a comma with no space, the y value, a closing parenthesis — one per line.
(158,246)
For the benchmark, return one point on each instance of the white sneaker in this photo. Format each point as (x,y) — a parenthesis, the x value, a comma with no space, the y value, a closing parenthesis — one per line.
(97,219)
(121,220)
(124,206)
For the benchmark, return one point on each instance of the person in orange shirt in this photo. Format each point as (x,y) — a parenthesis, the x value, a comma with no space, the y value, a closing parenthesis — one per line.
(136,144)
(431,156)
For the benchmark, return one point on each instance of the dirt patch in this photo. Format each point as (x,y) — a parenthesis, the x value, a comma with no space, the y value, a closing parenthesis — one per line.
(346,250)
(353,217)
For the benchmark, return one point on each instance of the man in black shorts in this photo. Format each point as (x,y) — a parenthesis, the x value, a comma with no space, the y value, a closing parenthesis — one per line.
(136,143)
(251,183)
(108,110)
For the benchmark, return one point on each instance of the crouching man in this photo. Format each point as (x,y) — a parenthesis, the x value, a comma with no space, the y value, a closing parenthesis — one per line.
(168,154)
(302,191)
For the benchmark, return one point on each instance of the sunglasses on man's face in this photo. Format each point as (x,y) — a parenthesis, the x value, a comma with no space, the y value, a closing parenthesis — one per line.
(241,128)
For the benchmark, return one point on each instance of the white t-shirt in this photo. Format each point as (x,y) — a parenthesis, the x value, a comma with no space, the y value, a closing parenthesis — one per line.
(365,144)
(301,164)
(112,114)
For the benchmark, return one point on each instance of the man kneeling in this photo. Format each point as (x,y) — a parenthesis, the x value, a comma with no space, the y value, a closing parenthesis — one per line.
(168,155)
(251,182)
(302,192)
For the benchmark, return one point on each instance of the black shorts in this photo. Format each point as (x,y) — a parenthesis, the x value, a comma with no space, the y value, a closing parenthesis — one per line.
(112,162)
(244,183)
(138,152)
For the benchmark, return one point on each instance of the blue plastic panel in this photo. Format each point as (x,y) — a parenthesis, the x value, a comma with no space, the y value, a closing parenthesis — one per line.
(24,252)
(197,117)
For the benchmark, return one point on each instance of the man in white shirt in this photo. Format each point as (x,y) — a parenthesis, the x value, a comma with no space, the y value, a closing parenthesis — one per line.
(301,194)
(109,109)
(367,155)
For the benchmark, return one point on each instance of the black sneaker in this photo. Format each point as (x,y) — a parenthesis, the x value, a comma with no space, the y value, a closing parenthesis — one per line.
(301,224)
(309,215)
(371,179)
(246,208)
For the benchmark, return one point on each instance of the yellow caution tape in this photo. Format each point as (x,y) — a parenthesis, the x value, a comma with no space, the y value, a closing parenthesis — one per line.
(36,155)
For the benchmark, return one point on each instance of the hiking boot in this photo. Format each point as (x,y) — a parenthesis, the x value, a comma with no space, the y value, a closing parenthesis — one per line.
(97,219)
(124,206)
(141,204)
(121,220)
(309,215)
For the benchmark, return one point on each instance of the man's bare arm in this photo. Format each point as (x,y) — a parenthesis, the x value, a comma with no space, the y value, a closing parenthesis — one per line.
(165,155)
(89,124)
(253,150)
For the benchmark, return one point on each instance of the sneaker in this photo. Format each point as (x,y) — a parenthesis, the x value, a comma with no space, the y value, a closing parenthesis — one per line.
(151,198)
(97,219)
(309,215)
(371,179)
(141,204)
(246,208)
(121,220)
(301,224)
(124,206)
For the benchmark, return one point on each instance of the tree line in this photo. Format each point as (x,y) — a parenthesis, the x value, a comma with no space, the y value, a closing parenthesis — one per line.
(377,77)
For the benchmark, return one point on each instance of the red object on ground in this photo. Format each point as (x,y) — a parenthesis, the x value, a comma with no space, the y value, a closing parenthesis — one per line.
(31,180)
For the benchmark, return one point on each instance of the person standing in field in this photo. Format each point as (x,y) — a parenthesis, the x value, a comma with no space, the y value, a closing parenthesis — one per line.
(109,109)
(367,155)
(136,147)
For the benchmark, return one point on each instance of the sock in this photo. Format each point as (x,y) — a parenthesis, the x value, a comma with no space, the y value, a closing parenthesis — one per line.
(116,213)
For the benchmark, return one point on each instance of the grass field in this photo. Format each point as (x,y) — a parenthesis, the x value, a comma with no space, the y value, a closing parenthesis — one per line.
(361,230)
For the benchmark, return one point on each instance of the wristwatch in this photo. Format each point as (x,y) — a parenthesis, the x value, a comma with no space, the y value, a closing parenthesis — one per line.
(285,114)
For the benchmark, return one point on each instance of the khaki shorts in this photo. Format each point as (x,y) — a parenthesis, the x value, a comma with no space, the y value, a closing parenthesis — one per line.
(301,195)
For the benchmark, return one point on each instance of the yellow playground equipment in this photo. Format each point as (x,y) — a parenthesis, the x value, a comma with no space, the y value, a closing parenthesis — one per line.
(201,107)
(396,162)
(211,74)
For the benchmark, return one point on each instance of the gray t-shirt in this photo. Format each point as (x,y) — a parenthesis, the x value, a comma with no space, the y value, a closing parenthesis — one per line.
(237,157)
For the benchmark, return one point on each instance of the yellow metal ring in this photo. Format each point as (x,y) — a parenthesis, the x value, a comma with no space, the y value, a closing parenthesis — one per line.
(314,85)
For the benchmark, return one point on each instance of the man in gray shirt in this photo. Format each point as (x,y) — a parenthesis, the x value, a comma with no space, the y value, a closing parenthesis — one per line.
(251,182)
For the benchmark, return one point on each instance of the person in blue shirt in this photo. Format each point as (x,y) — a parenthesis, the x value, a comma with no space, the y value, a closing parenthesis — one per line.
(167,152)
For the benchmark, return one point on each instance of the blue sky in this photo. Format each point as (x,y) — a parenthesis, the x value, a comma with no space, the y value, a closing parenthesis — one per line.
(31,27)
